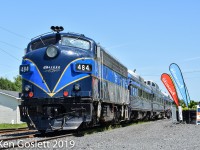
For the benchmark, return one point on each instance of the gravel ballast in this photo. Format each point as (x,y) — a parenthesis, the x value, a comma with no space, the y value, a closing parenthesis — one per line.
(156,135)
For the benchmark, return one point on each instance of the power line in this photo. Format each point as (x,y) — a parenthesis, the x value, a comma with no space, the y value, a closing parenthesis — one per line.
(16,34)
(10,45)
(191,77)
(6,73)
(194,71)
(9,54)
(151,75)
(5,65)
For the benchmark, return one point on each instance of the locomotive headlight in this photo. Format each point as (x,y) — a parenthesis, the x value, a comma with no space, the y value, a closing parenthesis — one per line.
(77,87)
(52,51)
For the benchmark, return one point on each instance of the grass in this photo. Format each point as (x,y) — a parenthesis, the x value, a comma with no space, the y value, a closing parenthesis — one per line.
(110,127)
(12,126)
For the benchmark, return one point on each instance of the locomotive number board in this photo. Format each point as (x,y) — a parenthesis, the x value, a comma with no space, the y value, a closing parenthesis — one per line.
(24,69)
(84,67)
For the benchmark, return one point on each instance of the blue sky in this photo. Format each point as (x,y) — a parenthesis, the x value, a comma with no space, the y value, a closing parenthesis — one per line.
(145,35)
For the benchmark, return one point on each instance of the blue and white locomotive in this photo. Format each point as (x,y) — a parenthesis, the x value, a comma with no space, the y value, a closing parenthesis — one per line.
(68,80)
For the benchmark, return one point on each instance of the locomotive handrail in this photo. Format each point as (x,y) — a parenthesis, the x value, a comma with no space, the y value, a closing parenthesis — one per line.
(41,35)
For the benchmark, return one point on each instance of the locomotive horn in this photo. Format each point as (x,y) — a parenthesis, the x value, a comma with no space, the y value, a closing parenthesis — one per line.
(57,28)
(61,28)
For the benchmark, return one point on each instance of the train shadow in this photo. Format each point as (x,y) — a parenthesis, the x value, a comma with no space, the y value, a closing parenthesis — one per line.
(81,132)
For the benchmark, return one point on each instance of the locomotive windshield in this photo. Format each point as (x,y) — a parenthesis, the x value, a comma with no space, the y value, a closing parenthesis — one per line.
(68,41)
(75,42)
(43,42)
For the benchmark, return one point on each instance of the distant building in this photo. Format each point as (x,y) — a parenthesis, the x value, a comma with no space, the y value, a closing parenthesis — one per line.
(9,109)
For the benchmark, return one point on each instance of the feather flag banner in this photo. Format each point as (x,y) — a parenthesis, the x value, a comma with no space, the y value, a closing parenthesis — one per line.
(178,78)
(169,84)
(188,96)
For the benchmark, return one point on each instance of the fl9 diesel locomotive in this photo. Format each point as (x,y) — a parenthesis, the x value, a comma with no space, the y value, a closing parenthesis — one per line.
(68,80)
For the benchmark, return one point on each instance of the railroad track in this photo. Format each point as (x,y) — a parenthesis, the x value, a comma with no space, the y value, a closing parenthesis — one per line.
(2,131)
(23,141)
(18,137)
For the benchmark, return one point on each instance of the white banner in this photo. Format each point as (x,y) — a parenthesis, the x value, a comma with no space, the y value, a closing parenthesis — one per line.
(180,113)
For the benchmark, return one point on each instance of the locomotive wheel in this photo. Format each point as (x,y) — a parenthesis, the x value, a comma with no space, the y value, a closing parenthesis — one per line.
(42,132)
(117,117)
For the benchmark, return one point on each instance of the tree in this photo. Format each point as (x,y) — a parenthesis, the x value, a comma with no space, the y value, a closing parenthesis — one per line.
(18,83)
(6,84)
(192,104)
(182,103)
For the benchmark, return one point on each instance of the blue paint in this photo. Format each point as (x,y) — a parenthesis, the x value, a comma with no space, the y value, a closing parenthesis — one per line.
(66,76)
(70,75)
(35,76)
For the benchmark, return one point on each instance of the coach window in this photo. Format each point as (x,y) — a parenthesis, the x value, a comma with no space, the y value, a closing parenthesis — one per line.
(121,81)
(133,91)
(144,94)
(147,96)
(139,92)
(136,91)
(130,88)
(156,99)
(152,96)
(106,73)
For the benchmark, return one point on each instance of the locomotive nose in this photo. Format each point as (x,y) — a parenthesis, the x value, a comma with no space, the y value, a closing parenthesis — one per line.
(55,69)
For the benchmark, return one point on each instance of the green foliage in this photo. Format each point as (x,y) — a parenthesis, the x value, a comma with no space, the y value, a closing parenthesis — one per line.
(6,84)
(186,109)
(18,83)
(12,126)
(192,104)
(182,103)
